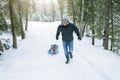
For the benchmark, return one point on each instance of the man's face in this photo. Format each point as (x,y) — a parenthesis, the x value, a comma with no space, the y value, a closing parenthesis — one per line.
(65,23)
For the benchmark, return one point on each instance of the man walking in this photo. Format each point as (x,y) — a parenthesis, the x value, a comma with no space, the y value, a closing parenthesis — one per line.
(66,29)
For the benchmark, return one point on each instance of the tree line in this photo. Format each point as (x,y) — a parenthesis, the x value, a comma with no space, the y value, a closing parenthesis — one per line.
(94,18)
(101,18)
(13,15)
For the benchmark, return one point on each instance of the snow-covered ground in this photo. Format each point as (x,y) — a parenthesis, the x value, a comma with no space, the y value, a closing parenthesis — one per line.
(32,62)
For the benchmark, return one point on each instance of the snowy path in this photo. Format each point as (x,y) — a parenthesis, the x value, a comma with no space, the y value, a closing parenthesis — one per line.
(31,61)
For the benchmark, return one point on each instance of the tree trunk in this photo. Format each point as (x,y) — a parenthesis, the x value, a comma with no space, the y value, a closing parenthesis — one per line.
(73,11)
(92,16)
(106,28)
(93,36)
(61,7)
(22,29)
(26,24)
(83,31)
(53,12)
(12,24)
(112,38)
(21,23)
(82,15)
(119,38)
(1,47)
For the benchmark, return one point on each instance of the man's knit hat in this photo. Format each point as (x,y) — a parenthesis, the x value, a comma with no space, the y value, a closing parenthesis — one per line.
(64,20)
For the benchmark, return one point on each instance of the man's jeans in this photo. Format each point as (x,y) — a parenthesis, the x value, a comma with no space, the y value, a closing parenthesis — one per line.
(68,48)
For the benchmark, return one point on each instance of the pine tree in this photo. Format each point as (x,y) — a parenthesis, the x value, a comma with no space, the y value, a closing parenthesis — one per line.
(13,24)
(106,28)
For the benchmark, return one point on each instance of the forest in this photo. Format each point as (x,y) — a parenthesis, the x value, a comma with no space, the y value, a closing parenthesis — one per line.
(98,19)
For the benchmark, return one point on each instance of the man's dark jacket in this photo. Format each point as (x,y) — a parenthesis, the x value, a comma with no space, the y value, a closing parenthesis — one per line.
(67,31)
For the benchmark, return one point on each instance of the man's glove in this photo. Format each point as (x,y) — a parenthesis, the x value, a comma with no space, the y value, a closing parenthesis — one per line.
(79,38)
(56,38)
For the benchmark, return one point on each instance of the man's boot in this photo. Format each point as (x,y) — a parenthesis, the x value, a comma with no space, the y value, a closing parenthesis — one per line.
(71,56)
(67,60)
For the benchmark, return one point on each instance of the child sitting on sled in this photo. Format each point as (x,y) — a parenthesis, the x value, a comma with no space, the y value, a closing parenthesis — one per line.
(53,49)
